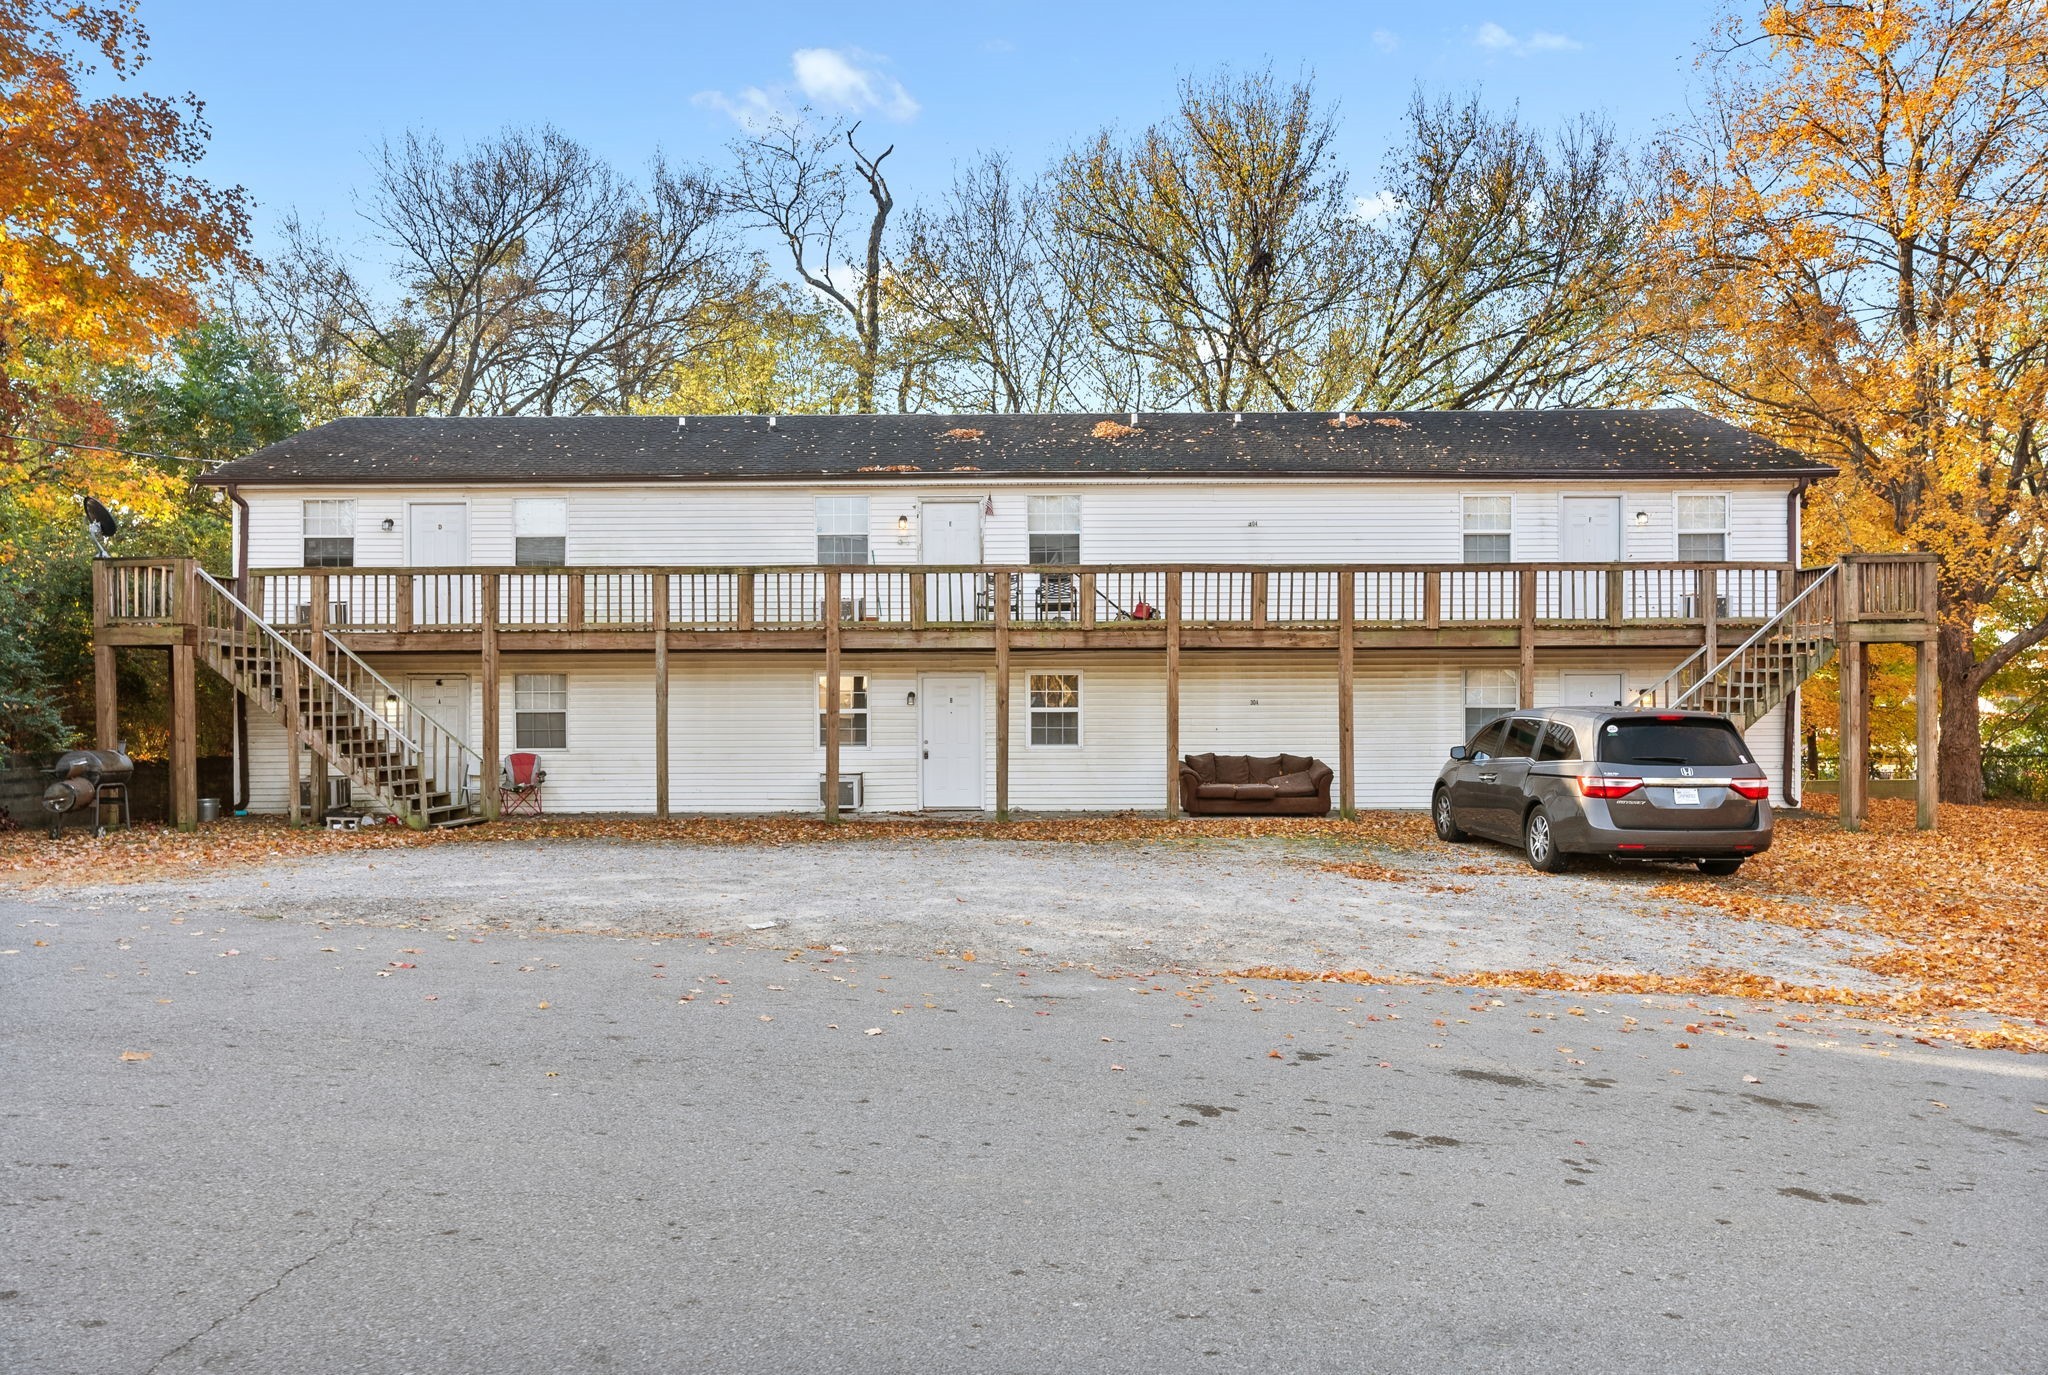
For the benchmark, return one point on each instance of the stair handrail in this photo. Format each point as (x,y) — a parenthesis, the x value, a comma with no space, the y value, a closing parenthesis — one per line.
(320,673)
(1763,632)
(462,747)
(1648,697)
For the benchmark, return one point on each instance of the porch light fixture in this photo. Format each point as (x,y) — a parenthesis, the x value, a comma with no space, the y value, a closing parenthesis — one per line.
(1642,518)
(910,698)
(389,525)
(988,506)
(903,527)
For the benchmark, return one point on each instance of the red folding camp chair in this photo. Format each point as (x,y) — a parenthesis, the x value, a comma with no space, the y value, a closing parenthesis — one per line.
(523,777)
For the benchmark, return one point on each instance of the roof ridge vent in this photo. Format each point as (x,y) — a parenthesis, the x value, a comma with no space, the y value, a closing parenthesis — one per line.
(771,422)
(682,422)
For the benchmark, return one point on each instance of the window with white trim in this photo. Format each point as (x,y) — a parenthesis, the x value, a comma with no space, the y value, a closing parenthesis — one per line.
(1488,693)
(540,711)
(1489,529)
(842,529)
(1055,708)
(853,709)
(1703,527)
(329,530)
(1053,529)
(540,532)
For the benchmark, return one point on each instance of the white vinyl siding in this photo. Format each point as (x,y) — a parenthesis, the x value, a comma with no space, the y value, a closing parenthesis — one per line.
(1489,523)
(540,711)
(1055,709)
(1703,526)
(328,533)
(853,709)
(1053,530)
(540,532)
(842,524)
(1488,693)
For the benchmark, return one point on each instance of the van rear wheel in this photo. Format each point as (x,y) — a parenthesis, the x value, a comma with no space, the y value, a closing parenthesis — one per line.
(1720,868)
(1539,843)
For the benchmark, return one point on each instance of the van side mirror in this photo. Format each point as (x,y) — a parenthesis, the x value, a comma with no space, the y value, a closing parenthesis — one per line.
(1458,753)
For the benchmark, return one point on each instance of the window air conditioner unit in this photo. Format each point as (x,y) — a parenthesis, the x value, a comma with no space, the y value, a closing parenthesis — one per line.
(337,613)
(852,792)
(850,608)
(1689,607)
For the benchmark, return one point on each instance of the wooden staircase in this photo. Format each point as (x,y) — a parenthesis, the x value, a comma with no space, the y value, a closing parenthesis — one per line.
(331,702)
(1768,667)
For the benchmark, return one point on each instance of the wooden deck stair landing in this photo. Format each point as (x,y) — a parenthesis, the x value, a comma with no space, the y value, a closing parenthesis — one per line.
(327,701)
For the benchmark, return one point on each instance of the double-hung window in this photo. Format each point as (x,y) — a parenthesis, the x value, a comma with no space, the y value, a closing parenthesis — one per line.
(1488,693)
(1703,528)
(1055,709)
(853,709)
(329,528)
(1489,526)
(540,711)
(842,529)
(540,532)
(1053,529)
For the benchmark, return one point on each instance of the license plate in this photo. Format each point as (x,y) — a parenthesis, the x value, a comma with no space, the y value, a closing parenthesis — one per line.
(1686,797)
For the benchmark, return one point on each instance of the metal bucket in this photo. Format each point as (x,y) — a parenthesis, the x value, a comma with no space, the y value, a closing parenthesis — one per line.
(209,809)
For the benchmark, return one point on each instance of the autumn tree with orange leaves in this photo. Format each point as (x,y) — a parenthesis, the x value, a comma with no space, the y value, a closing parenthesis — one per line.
(1853,259)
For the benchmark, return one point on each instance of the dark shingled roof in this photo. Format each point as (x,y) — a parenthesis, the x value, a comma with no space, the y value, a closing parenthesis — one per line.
(1412,444)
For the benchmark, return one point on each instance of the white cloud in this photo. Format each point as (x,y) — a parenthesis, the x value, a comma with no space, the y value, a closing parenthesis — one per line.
(1386,40)
(845,80)
(1494,39)
(1378,205)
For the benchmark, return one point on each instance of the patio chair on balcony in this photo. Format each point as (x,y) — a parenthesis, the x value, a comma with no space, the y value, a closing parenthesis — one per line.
(521,785)
(1059,597)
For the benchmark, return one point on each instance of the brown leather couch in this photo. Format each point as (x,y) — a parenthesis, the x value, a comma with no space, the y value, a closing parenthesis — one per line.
(1254,785)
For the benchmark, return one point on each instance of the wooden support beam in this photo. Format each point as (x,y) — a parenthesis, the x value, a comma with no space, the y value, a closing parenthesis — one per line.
(1259,600)
(1002,629)
(493,745)
(1926,724)
(661,694)
(401,609)
(106,698)
(1707,593)
(288,703)
(1525,636)
(1347,695)
(1172,692)
(1433,600)
(185,737)
(1615,582)
(1854,742)
(1087,594)
(573,603)
(832,613)
(743,607)
(918,614)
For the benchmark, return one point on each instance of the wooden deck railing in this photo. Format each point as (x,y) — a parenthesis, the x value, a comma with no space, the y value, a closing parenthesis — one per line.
(918,597)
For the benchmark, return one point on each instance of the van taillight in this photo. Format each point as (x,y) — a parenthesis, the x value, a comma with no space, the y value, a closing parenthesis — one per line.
(1755,789)
(1593,786)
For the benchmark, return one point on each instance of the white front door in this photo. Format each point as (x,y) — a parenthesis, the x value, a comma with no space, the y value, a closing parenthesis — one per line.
(1590,533)
(1589,690)
(949,532)
(438,534)
(950,727)
(443,698)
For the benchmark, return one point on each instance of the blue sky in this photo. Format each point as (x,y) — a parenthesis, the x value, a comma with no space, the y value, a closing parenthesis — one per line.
(296,92)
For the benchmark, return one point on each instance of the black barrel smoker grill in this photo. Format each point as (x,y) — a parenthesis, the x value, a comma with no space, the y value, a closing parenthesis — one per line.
(86,779)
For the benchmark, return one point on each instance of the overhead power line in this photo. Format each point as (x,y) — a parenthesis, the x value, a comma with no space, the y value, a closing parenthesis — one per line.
(108,448)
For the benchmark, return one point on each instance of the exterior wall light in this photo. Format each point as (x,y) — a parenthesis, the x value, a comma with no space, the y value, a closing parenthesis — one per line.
(1642,519)
(903,527)
(910,698)
(389,525)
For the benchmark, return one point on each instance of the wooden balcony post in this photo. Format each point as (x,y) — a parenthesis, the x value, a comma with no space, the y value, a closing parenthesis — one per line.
(1525,636)
(1926,723)
(1002,634)
(832,613)
(1707,594)
(1087,596)
(1172,600)
(1617,582)
(402,602)
(106,698)
(743,607)
(573,601)
(184,736)
(660,581)
(493,759)
(1259,601)
(1347,694)
(1853,745)
(1433,599)
(288,700)
(917,601)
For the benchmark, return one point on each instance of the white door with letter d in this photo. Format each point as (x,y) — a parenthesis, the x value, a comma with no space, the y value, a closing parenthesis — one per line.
(951,741)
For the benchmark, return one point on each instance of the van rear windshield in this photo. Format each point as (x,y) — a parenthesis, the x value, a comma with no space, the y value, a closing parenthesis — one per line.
(1646,740)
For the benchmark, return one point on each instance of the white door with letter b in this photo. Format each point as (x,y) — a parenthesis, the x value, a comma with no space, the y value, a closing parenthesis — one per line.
(1590,533)
(951,740)
(437,536)
(950,533)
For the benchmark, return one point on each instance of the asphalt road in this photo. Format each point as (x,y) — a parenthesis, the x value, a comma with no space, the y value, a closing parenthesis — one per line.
(405,1152)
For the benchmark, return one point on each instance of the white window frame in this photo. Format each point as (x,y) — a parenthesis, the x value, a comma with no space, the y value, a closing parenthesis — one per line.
(1465,530)
(842,517)
(1488,682)
(853,687)
(1679,530)
(1052,514)
(556,688)
(1032,711)
(344,515)
(533,506)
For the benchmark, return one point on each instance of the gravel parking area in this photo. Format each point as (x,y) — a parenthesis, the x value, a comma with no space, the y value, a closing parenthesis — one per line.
(1207,906)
